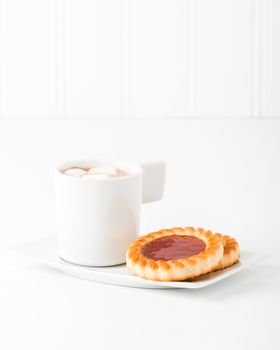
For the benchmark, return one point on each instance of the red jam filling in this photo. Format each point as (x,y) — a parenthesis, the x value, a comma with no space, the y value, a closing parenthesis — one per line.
(173,247)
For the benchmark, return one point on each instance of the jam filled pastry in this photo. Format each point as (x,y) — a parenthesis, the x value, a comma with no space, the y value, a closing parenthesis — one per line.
(175,254)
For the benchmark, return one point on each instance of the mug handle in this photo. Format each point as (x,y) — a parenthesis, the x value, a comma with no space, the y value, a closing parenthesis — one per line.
(153,181)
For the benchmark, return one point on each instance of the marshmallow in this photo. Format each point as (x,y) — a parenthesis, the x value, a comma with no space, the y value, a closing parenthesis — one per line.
(76,172)
(103,171)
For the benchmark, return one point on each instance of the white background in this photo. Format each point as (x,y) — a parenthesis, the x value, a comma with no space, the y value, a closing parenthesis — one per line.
(194,82)
(222,175)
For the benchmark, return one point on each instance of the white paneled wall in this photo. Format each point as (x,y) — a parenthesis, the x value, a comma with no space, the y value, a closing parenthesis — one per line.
(27,56)
(224,58)
(139,59)
(159,58)
(92,57)
(271,58)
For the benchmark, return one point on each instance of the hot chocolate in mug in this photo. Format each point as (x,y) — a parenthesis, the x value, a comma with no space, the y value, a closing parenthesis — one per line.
(98,205)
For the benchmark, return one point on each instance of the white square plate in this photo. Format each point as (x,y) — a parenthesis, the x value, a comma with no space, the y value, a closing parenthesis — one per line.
(44,251)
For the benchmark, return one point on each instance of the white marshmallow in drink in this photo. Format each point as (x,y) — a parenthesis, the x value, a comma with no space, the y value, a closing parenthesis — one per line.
(102,171)
(77,172)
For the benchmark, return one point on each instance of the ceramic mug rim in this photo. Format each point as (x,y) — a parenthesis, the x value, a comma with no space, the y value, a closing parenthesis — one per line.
(133,169)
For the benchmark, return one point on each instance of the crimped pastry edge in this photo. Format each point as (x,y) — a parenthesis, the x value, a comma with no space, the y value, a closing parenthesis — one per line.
(231,254)
(175,270)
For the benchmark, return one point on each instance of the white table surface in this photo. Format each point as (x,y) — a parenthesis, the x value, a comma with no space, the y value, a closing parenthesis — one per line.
(221,175)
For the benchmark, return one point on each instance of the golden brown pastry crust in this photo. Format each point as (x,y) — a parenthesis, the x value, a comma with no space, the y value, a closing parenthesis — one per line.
(175,270)
(231,251)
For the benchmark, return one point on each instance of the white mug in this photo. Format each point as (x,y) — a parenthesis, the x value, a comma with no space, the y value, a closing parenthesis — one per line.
(97,218)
